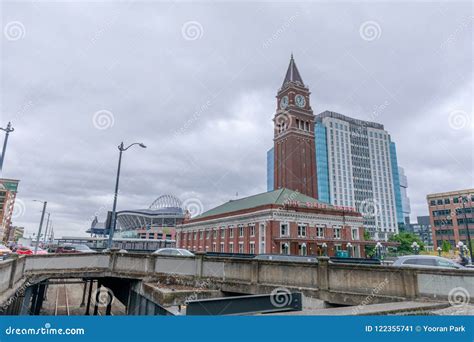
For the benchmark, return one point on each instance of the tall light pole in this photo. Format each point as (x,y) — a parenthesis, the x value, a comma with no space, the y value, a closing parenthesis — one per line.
(121,149)
(40,225)
(468,234)
(7,130)
(46,230)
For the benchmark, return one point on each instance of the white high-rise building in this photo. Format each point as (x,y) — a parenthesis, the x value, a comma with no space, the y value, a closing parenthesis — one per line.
(359,169)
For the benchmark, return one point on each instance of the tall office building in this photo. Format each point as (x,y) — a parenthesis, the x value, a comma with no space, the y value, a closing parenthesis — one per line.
(406,208)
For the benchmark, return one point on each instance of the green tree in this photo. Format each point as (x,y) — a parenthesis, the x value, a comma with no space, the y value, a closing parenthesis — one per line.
(446,246)
(406,240)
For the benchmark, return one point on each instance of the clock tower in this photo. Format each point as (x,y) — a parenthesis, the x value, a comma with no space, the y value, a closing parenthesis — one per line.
(294,146)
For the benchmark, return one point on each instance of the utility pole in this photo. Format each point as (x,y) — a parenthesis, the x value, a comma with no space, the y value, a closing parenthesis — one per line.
(40,226)
(7,130)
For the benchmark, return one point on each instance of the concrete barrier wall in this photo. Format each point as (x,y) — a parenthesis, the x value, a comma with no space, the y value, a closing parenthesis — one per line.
(445,286)
(175,265)
(373,280)
(298,275)
(6,268)
(324,278)
(67,262)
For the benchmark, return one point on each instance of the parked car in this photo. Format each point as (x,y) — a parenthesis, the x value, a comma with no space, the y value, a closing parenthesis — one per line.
(173,252)
(427,261)
(283,257)
(74,249)
(25,250)
(4,251)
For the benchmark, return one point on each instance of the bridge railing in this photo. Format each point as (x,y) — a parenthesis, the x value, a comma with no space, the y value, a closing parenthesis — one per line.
(334,282)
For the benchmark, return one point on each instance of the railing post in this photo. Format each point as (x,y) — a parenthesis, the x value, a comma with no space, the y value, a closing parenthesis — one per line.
(199,256)
(13,272)
(254,272)
(323,277)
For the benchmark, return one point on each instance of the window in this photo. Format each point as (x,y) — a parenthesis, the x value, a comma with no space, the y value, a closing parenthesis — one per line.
(214,247)
(284,231)
(337,233)
(201,234)
(252,230)
(222,247)
(214,233)
(241,247)
(302,249)
(355,234)
(208,234)
(231,247)
(301,230)
(222,232)
(252,248)
(320,232)
(241,231)
(455,200)
(446,201)
(231,232)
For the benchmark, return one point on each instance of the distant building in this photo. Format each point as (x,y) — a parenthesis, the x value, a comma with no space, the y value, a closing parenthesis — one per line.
(156,222)
(8,191)
(406,209)
(422,229)
(448,219)
(276,222)
(16,233)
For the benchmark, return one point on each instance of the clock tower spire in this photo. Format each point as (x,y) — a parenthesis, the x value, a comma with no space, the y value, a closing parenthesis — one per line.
(294,146)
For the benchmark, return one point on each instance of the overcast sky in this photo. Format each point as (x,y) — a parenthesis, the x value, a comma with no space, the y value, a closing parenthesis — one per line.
(197,83)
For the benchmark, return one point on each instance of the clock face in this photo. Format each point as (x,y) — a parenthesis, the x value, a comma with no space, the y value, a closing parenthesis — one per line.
(284,102)
(300,101)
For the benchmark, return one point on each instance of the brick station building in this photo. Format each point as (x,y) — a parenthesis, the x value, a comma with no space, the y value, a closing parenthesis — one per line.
(275,222)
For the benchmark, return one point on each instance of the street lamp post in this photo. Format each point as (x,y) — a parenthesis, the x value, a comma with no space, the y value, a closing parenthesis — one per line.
(468,234)
(7,131)
(47,226)
(121,149)
(325,248)
(349,249)
(461,249)
(378,248)
(415,247)
(439,251)
(40,225)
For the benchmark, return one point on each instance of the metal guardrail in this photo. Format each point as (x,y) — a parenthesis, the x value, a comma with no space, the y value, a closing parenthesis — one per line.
(244,305)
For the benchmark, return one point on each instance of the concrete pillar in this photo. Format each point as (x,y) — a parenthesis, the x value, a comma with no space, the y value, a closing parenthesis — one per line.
(199,261)
(323,277)
(410,283)
(255,270)
(25,305)
(12,272)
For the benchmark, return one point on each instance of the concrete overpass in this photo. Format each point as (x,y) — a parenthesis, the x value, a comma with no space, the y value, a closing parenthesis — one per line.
(135,279)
